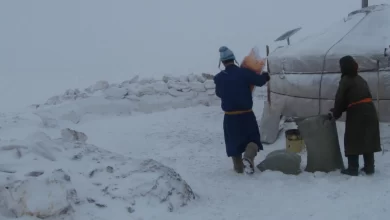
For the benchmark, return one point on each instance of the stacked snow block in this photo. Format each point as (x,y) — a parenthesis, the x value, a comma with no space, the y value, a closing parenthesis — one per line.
(146,95)
(187,87)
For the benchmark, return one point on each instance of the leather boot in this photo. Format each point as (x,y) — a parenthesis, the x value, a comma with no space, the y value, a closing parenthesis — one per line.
(237,164)
(369,167)
(249,157)
(353,166)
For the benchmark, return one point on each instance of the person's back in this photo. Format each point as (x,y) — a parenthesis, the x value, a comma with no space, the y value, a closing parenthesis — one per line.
(358,91)
(233,87)
(358,88)
(362,134)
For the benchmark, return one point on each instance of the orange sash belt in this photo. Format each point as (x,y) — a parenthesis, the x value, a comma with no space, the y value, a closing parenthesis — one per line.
(366,100)
(238,112)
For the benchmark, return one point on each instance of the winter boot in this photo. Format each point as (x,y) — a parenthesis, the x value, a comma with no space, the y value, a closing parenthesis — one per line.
(353,166)
(369,167)
(238,165)
(249,157)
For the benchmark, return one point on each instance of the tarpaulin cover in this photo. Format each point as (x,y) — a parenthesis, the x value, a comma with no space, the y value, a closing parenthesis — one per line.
(322,144)
(269,123)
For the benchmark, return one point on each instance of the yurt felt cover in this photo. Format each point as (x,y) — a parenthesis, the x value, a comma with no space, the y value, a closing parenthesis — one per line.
(305,75)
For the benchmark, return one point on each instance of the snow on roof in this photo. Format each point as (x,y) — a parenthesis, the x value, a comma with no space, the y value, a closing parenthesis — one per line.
(364,34)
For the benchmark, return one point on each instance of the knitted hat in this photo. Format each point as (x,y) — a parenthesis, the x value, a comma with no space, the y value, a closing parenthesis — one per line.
(226,54)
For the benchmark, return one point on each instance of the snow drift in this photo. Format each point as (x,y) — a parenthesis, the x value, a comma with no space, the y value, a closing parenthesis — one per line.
(57,178)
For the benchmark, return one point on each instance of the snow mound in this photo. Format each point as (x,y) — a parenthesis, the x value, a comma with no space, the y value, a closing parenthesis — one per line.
(71,178)
(148,183)
(136,95)
(43,198)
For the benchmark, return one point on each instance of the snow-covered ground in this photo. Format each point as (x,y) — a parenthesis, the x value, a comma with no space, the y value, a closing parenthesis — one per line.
(109,151)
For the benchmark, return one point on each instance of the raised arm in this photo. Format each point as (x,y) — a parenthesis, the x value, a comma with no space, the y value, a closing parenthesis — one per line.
(255,79)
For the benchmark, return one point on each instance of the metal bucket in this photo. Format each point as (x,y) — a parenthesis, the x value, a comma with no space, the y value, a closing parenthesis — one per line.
(294,141)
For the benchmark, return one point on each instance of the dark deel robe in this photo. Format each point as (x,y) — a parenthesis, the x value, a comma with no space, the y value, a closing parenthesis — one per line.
(233,87)
(362,125)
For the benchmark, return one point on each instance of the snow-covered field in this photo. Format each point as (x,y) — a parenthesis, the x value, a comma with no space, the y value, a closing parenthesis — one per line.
(120,150)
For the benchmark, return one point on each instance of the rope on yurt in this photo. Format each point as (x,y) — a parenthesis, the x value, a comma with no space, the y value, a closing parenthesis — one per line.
(324,61)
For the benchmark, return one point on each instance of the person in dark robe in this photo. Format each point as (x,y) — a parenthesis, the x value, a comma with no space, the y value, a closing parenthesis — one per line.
(241,132)
(362,135)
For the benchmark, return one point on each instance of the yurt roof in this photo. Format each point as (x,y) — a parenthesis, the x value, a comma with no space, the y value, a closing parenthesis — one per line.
(364,34)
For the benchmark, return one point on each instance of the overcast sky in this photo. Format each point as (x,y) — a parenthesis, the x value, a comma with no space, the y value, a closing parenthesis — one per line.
(147,36)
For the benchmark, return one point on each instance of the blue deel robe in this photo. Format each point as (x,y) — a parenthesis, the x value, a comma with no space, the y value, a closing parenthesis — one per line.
(233,87)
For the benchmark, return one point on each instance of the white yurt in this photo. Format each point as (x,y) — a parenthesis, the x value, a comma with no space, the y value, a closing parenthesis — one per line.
(305,75)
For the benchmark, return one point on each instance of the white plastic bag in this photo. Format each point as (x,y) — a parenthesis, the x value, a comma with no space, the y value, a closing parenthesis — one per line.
(254,62)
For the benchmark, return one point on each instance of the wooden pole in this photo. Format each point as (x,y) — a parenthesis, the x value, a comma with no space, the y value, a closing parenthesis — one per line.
(377,98)
(378,84)
(364,3)
(268,84)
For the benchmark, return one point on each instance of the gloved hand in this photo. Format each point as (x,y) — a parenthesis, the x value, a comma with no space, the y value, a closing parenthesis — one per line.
(266,75)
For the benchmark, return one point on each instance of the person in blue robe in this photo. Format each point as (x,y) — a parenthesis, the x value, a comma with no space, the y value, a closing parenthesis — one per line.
(241,132)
